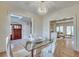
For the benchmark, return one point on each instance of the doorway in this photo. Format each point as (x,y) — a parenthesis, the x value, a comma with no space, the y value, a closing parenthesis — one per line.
(64,29)
(20,29)
(16,31)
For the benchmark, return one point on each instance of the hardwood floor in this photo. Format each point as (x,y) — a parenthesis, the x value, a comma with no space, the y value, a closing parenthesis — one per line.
(64,49)
(3,54)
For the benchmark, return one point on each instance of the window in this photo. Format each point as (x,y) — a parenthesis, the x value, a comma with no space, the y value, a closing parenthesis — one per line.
(70,30)
(59,28)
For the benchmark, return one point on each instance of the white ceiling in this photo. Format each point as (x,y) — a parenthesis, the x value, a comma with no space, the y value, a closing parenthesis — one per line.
(32,6)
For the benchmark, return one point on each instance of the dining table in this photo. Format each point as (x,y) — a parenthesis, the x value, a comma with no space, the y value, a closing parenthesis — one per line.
(39,45)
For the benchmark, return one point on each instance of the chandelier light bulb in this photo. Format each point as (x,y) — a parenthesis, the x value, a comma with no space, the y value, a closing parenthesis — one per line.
(42,10)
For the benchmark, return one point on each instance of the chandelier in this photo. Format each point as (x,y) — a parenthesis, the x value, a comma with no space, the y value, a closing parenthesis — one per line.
(42,8)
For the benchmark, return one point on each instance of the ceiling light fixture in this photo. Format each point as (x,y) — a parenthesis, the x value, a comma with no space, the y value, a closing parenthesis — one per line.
(42,8)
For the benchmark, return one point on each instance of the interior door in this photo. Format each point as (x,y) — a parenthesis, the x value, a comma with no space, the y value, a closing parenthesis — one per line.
(16,31)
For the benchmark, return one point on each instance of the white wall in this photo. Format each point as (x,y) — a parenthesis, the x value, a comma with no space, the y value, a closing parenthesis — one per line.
(5,23)
(25,26)
(66,12)
(25,29)
(4,26)
(37,20)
